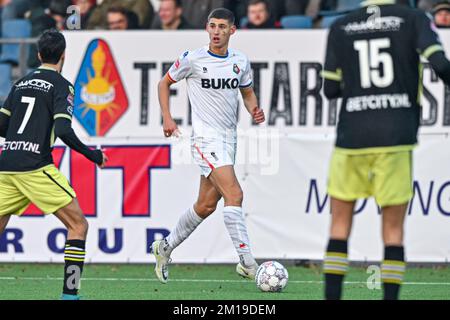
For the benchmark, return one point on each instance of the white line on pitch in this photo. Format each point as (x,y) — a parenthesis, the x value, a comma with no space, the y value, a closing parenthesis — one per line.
(204,280)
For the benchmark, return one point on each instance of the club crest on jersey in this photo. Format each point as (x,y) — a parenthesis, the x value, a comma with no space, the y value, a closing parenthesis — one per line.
(236,69)
(177,64)
(70,99)
(205,70)
(100,97)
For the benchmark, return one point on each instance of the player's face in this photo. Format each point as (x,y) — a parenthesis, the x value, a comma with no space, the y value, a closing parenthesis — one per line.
(219,31)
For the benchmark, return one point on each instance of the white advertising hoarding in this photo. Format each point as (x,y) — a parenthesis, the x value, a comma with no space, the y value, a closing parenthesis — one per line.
(282,165)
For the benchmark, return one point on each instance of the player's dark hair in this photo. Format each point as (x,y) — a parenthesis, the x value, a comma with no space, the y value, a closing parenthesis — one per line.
(51,45)
(222,13)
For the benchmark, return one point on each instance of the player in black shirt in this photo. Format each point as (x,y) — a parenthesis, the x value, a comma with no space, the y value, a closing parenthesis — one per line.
(373,63)
(38,109)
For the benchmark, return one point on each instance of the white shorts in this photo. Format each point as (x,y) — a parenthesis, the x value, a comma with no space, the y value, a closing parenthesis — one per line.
(210,153)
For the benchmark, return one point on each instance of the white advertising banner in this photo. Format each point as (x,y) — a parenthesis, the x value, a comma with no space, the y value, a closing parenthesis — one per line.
(282,165)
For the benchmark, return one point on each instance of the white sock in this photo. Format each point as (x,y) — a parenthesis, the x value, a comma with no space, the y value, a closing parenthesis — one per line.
(185,226)
(234,221)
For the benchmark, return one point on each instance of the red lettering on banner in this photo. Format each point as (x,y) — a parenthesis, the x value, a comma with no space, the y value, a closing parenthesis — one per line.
(58,153)
(83,177)
(136,163)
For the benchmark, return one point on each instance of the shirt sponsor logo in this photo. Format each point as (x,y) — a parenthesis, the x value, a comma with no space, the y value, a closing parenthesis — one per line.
(374,25)
(22,146)
(377,102)
(37,84)
(220,83)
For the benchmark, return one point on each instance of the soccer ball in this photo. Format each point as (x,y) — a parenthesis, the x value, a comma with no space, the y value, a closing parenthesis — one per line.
(271,276)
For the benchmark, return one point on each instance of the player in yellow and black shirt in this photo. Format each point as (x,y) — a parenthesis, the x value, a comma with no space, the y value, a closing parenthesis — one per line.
(38,109)
(373,63)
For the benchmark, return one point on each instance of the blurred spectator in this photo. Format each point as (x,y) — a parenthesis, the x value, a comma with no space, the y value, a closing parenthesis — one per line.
(170,16)
(276,8)
(15,9)
(120,18)
(57,10)
(117,18)
(259,16)
(86,8)
(441,13)
(196,11)
(45,16)
(143,9)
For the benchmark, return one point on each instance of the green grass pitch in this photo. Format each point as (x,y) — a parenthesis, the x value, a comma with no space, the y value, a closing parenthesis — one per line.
(203,282)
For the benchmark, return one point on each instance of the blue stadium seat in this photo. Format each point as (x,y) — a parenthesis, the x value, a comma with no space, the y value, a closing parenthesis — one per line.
(296,22)
(328,20)
(5,81)
(17,28)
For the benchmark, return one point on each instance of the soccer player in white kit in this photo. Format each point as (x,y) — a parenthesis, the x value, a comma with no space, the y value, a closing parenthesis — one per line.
(214,74)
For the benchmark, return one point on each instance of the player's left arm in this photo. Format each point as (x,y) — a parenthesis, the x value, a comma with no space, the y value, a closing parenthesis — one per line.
(430,46)
(251,104)
(62,114)
(248,94)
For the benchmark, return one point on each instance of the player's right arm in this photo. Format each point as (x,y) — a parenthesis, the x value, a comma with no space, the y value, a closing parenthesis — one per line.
(179,70)
(4,123)
(63,110)
(332,72)
(430,47)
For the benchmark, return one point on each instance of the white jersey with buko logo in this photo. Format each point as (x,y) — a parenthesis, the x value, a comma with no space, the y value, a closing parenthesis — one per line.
(213,84)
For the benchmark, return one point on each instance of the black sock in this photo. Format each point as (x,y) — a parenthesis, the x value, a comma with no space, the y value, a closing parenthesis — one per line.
(392,271)
(335,267)
(74,260)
